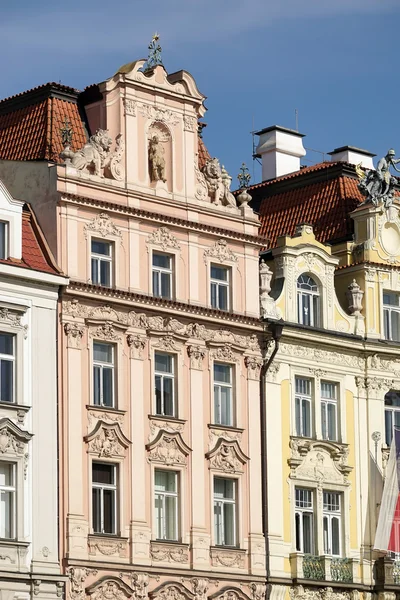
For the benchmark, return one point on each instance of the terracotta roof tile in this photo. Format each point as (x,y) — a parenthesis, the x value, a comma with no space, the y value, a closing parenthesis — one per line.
(30,123)
(204,155)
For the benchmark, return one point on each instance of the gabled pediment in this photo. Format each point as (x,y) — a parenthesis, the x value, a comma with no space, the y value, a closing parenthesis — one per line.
(12,439)
(107,439)
(321,461)
(168,448)
(227,456)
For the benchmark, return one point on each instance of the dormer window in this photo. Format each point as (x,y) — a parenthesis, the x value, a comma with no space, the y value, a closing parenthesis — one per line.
(308,302)
(3,240)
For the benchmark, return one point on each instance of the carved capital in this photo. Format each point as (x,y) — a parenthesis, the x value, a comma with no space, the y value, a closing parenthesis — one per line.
(74,333)
(196,355)
(137,344)
(253,364)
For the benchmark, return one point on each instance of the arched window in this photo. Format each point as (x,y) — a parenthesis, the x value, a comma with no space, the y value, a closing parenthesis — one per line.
(392,414)
(308,302)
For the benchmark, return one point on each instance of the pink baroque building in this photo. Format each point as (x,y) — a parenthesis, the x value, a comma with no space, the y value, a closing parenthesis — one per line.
(159,341)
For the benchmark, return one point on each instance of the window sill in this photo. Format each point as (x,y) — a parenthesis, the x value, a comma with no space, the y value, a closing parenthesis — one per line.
(166,418)
(225,428)
(169,551)
(230,557)
(15,406)
(106,409)
(108,545)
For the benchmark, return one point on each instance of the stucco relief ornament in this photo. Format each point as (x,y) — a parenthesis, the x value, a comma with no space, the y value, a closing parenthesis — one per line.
(267,304)
(218,183)
(227,456)
(168,448)
(378,186)
(137,344)
(77,578)
(220,251)
(107,440)
(196,355)
(110,589)
(106,332)
(96,156)
(103,225)
(200,588)
(74,335)
(168,553)
(13,319)
(164,238)
(253,364)
(12,439)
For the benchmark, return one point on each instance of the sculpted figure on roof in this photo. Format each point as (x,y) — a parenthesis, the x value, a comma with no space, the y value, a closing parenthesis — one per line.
(218,183)
(378,186)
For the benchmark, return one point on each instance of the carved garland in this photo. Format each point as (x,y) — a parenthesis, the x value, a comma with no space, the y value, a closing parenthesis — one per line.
(103,225)
(164,238)
(221,252)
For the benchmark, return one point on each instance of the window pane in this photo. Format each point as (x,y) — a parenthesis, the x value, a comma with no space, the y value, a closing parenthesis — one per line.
(214,295)
(218,534)
(96,510)
(303,386)
(306,418)
(165,481)
(326,535)
(102,473)
(3,240)
(226,406)
(95,271)
(315,313)
(159,516)
(298,531)
(161,260)
(168,396)
(170,516)
(6,474)
(156,284)
(219,273)
(388,427)
(163,363)
(158,383)
(96,385)
(165,285)
(101,248)
(103,353)
(109,511)
(6,380)
(6,514)
(331,421)
(224,488)
(6,344)
(229,524)
(324,423)
(335,536)
(108,391)
(308,534)
(386,321)
(222,373)
(105,273)
(395,323)
(223,297)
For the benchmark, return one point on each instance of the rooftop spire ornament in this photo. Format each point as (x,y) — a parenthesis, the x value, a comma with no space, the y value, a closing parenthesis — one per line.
(244,181)
(66,133)
(154,58)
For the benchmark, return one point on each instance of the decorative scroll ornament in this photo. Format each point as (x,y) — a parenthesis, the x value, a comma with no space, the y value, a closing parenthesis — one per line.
(164,238)
(218,183)
(74,335)
(200,588)
(140,582)
(13,440)
(168,343)
(130,107)
(13,319)
(323,462)
(221,252)
(109,588)
(96,156)
(107,547)
(168,448)
(106,332)
(107,439)
(227,456)
(77,578)
(298,592)
(168,553)
(225,353)
(103,226)
(157,114)
(258,591)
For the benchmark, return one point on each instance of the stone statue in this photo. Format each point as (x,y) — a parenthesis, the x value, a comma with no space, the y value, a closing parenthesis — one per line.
(218,183)
(96,157)
(156,160)
(378,186)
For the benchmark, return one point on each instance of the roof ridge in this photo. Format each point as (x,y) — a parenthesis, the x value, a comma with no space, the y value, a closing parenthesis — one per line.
(51,84)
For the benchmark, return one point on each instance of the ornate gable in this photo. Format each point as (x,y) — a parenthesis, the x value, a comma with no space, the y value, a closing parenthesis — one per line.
(227,456)
(107,439)
(323,462)
(168,448)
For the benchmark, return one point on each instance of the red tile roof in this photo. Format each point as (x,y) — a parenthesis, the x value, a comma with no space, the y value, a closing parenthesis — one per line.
(36,254)
(204,155)
(30,123)
(309,197)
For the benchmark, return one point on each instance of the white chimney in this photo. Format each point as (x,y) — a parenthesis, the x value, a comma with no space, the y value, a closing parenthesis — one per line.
(353,155)
(280,150)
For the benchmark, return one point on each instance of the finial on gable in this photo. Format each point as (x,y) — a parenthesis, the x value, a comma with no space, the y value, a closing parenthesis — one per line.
(154,58)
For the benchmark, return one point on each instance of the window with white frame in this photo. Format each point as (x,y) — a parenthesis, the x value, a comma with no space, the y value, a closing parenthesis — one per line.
(223,395)
(104,498)
(220,287)
(162,275)
(308,302)
(303,400)
(392,414)
(164,381)
(103,374)
(102,259)
(3,240)
(329,410)
(391,316)
(225,507)
(304,520)
(332,529)
(7,500)
(166,504)
(7,367)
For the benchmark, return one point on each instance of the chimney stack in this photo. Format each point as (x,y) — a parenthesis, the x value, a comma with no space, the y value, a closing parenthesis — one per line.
(280,150)
(353,155)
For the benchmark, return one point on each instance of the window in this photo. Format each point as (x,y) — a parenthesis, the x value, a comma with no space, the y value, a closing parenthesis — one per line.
(7,500)
(308,301)
(103,374)
(332,523)
(104,498)
(3,240)
(303,407)
(101,263)
(391,316)
(7,367)
(162,275)
(220,287)
(223,402)
(164,373)
(329,410)
(224,512)
(166,504)
(392,414)
(304,520)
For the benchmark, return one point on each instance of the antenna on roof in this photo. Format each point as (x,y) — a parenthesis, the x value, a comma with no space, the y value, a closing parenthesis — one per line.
(296,115)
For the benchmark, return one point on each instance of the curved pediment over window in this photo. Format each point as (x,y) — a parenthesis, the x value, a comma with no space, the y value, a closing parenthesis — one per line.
(229,593)
(171,591)
(13,440)
(109,588)
(168,448)
(227,456)
(321,461)
(107,439)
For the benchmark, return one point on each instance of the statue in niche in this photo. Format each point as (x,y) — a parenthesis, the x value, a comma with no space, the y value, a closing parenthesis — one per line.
(156,159)
(378,186)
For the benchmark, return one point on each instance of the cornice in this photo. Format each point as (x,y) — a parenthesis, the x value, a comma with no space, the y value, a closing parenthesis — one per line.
(166,219)
(130,299)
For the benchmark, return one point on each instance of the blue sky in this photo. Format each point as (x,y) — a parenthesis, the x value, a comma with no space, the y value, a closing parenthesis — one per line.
(335,61)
